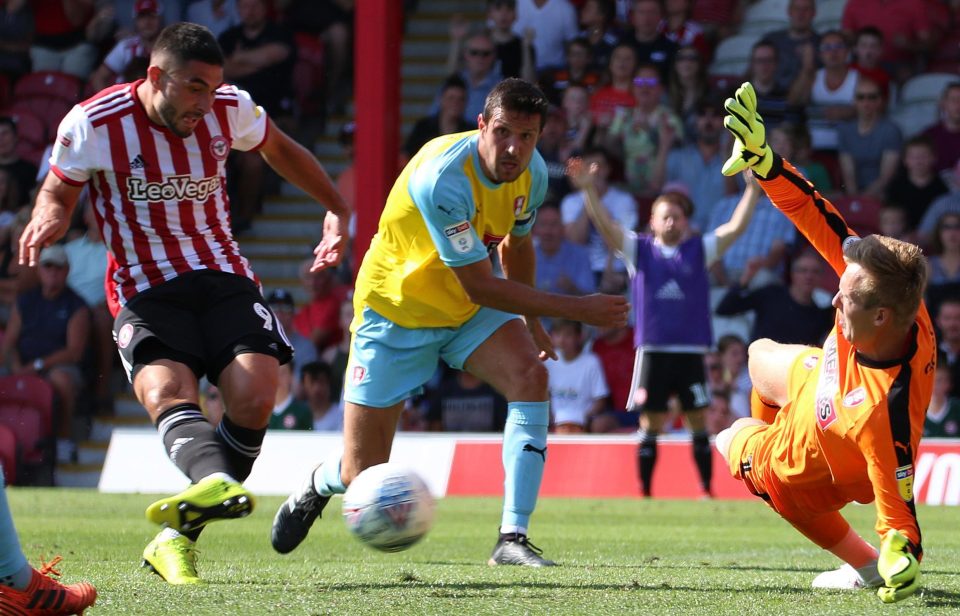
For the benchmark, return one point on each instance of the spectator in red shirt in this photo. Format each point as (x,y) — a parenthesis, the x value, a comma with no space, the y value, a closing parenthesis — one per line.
(868,48)
(618,91)
(319,319)
(59,40)
(614,347)
(906,29)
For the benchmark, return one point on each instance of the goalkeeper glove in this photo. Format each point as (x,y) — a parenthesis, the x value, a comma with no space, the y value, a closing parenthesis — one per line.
(898,568)
(750,136)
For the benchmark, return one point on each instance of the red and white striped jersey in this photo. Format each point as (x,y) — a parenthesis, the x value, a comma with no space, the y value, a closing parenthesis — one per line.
(160,199)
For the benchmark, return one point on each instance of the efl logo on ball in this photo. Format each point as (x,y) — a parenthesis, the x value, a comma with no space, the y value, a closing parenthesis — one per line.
(388,507)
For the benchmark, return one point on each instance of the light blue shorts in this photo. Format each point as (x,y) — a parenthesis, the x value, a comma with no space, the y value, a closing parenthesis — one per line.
(389,363)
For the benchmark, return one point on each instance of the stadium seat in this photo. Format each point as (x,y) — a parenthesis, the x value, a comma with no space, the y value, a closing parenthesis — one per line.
(765,16)
(30,127)
(733,55)
(48,84)
(829,15)
(926,87)
(914,118)
(49,109)
(8,454)
(861,212)
(32,391)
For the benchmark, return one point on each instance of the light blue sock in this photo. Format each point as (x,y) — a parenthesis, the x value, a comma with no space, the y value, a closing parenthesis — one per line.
(524,454)
(13,564)
(326,479)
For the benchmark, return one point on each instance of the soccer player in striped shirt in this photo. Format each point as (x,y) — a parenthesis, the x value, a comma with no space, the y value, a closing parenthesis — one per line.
(843,422)
(186,302)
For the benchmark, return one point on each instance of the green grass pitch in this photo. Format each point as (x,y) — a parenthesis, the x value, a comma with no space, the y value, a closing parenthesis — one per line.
(617,557)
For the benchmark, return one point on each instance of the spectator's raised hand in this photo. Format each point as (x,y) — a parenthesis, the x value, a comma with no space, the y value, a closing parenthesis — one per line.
(581,176)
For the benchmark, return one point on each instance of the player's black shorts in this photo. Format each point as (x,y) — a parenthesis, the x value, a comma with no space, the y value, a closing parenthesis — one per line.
(665,374)
(203,319)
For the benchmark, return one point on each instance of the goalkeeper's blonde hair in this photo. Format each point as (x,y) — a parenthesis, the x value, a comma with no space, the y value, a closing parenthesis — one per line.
(898,275)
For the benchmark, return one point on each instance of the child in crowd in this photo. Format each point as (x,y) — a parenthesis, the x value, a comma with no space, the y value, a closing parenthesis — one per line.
(578,389)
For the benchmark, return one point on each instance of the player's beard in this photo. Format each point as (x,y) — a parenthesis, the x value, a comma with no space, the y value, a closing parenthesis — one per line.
(168,114)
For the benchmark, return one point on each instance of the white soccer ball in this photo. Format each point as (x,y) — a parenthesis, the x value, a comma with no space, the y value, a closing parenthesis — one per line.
(388,507)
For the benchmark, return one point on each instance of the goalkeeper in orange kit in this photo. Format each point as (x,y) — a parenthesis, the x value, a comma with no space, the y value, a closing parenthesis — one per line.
(843,422)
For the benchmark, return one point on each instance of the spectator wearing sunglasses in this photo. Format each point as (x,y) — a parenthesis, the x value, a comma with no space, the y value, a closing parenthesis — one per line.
(869,145)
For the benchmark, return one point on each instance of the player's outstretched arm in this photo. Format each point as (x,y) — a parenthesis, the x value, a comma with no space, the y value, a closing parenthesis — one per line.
(815,217)
(56,200)
(297,165)
(485,289)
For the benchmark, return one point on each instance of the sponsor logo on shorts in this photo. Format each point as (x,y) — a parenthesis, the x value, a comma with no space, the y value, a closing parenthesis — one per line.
(219,147)
(826,413)
(356,377)
(811,361)
(65,140)
(855,397)
(125,335)
(905,482)
(460,237)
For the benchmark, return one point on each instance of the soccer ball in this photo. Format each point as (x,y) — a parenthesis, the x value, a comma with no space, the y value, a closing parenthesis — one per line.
(388,507)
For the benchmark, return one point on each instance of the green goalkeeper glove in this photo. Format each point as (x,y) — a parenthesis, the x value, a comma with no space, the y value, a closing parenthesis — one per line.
(750,136)
(898,568)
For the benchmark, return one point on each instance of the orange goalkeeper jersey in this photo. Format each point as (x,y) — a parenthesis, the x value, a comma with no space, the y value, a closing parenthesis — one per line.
(855,423)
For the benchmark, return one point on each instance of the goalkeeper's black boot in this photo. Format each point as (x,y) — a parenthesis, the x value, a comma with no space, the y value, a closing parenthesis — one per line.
(296,515)
(516,549)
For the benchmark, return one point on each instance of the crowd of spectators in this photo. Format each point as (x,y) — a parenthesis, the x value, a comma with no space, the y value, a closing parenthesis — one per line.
(632,90)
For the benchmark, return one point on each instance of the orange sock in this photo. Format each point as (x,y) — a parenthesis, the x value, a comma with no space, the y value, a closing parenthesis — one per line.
(853,549)
(761,409)
(827,530)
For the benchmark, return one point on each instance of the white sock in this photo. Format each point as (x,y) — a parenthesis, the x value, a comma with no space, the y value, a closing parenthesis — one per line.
(168,534)
(509,530)
(19,580)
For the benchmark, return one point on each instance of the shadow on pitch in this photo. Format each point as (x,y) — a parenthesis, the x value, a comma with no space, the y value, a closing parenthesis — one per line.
(933,597)
(446,588)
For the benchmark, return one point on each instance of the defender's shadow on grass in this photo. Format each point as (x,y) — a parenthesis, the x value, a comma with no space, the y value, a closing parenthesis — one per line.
(933,597)
(548,586)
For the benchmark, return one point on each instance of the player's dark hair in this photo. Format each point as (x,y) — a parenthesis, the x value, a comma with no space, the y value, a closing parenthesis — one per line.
(519,96)
(186,41)
(8,121)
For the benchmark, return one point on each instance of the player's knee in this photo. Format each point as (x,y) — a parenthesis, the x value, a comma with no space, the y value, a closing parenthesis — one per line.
(724,439)
(531,383)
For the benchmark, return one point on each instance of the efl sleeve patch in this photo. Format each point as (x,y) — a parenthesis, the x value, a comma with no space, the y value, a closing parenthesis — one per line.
(461,237)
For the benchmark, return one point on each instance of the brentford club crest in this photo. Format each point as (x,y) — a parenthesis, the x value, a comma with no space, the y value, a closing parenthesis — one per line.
(219,147)
(125,335)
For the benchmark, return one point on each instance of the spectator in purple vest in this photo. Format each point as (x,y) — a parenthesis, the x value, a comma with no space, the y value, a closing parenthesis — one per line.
(945,134)
(668,269)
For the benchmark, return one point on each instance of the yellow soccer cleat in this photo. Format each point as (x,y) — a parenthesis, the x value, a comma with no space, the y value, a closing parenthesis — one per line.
(209,500)
(174,559)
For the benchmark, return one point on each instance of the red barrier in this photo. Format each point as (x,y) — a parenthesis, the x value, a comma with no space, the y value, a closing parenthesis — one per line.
(609,470)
